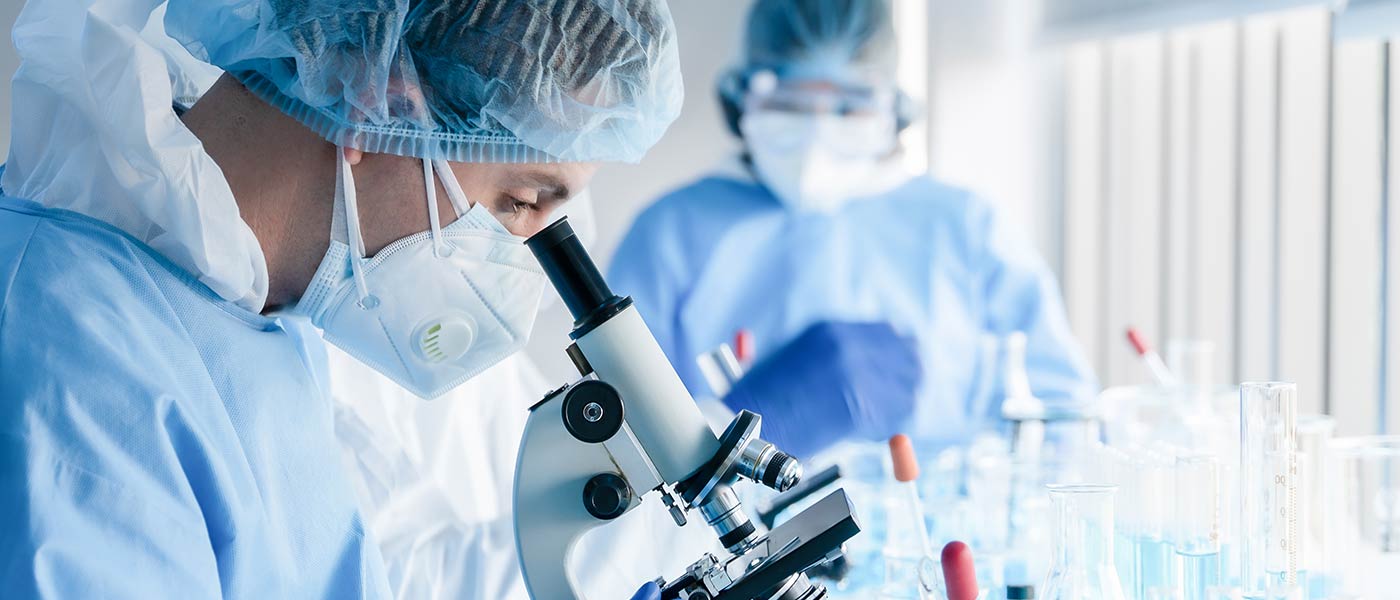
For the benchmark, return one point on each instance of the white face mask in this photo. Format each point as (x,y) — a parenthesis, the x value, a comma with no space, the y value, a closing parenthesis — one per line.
(431,310)
(816,161)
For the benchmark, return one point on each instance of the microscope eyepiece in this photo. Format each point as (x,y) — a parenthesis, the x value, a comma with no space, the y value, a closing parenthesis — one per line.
(573,274)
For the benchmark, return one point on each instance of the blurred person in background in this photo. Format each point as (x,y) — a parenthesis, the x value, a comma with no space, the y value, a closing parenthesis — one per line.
(871,293)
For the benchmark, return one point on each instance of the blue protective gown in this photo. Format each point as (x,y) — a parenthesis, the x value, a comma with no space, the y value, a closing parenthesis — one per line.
(159,442)
(722,255)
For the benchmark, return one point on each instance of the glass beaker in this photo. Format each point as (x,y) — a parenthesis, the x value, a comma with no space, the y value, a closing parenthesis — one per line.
(1197,520)
(1083,560)
(1364,479)
(1269,491)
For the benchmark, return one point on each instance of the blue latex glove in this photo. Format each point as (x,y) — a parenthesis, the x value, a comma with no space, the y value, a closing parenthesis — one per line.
(833,381)
(648,592)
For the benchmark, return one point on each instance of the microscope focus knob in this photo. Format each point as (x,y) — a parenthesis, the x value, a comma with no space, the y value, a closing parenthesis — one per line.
(607,496)
(593,411)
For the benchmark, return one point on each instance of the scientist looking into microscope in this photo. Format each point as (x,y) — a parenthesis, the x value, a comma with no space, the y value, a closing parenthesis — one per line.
(365,169)
(871,293)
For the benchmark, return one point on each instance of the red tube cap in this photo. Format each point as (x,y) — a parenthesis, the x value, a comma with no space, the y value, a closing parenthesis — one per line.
(959,572)
(1139,344)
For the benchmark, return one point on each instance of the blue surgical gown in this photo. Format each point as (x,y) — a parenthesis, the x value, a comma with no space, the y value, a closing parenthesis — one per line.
(159,442)
(722,254)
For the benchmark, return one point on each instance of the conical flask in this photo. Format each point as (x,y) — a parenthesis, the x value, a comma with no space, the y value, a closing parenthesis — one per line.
(1082,567)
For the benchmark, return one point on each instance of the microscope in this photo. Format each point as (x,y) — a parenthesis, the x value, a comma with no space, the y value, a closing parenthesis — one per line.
(592,450)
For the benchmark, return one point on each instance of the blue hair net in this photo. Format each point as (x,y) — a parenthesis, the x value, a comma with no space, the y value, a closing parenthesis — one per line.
(842,41)
(462,80)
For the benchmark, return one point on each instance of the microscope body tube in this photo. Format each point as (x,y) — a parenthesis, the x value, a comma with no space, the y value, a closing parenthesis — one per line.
(658,408)
(619,348)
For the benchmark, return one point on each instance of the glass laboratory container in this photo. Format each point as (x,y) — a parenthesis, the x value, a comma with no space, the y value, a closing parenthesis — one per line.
(911,568)
(1364,525)
(1118,466)
(1197,525)
(1082,567)
(1192,362)
(1155,557)
(1190,418)
(1019,405)
(1268,491)
(1315,575)
(865,477)
(1196,405)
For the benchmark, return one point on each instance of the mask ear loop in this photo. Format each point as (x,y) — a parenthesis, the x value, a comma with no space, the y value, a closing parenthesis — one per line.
(434,223)
(345,188)
(454,189)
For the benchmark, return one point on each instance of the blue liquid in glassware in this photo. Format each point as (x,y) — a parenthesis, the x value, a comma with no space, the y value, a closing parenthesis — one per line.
(1125,560)
(1200,575)
(1155,568)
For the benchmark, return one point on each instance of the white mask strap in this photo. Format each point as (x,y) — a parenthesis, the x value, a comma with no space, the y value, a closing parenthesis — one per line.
(454,189)
(434,223)
(345,192)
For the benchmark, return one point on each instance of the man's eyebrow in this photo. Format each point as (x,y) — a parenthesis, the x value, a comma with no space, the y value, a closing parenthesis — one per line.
(545,182)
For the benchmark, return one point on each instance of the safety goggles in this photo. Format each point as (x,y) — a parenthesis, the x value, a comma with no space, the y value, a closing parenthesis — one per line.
(817,96)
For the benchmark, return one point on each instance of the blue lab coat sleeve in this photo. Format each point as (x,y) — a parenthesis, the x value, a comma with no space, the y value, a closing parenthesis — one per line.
(1022,295)
(93,482)
(155,440)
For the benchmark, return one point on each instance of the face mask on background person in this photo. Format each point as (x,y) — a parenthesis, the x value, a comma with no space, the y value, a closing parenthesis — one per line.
(816,161)
(431,310)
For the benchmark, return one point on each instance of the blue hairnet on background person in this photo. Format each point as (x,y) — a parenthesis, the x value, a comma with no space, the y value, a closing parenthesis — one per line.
(365,169)
(871,293)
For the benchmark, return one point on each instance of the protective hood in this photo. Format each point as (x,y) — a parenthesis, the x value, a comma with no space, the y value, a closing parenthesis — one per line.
(94,132)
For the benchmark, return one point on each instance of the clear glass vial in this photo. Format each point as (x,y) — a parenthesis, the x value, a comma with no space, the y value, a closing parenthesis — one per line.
(1197,522)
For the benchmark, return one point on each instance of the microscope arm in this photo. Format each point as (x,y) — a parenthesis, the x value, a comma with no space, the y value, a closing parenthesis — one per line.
(555,504)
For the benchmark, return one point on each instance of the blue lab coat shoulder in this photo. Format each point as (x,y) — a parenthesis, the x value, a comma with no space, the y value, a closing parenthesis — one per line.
(155,440)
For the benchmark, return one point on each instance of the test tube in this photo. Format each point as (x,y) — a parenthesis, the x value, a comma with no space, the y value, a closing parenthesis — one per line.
(1364,522)
(1155,558)
(1314,435)
(1269,491)
(1197,524)
(720,368)
(1193,362)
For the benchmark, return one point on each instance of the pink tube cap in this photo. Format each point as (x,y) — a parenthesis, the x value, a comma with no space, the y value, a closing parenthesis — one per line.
(906,464)
(1139,344)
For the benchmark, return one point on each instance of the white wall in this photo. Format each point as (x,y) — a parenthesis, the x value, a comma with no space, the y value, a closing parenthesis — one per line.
(994,112)
(1228,182)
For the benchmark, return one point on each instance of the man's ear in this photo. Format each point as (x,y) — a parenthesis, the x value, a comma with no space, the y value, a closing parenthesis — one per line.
(353,156)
